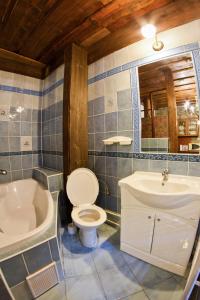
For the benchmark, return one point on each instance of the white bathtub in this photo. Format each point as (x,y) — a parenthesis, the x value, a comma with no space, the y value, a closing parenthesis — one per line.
(26,209)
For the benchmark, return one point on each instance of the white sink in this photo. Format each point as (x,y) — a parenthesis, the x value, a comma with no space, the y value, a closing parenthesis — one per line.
(177,191)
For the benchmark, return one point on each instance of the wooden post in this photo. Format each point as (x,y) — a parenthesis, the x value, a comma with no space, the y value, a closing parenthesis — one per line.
(172,116)
(75,130)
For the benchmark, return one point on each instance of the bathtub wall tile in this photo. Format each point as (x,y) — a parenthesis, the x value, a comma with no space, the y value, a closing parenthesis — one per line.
(8,266)
(55,183)
(23,118)
(38,257)
(4,294)
(22,291)
(40,177)
(54,249)
(52,122)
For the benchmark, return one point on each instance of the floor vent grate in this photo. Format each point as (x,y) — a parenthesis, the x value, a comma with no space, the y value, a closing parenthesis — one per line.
(42,280)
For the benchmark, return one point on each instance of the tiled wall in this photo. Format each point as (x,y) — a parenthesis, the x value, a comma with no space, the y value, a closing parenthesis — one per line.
(52,120)
(114,109)
(30,113)
(20,123)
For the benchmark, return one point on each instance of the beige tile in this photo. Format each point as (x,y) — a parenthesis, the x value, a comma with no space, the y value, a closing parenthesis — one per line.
(109,62)
(6,98)
(122,81)
(110,94)
(91,72)
(99,66)
(6,78)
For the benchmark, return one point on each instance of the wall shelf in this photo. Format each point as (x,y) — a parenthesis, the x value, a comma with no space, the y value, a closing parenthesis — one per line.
(121,140)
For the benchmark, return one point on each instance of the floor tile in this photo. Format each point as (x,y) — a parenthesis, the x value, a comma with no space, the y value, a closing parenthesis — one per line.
(56,293)
(165,290)
(107,258)
(85,288)
(119,283)
(137,296)
(181,280)
(147,274)
(75,265)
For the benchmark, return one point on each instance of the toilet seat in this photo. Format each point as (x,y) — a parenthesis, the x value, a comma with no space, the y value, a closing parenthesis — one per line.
(77,218)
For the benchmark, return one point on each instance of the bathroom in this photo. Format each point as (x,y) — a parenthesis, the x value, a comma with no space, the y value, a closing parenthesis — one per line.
(73,84)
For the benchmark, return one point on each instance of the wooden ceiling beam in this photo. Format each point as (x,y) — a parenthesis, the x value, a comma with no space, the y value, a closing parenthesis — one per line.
(12,62)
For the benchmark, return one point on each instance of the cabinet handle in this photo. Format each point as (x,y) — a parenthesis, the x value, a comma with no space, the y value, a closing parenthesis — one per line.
(149,217)
(158,220)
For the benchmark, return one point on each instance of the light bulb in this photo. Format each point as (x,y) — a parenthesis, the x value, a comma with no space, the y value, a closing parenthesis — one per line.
(148,30)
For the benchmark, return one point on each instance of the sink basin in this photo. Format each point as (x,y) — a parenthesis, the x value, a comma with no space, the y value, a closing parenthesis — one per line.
(176,192)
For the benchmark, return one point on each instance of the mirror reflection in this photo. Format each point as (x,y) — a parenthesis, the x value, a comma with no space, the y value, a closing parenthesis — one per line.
(169,106)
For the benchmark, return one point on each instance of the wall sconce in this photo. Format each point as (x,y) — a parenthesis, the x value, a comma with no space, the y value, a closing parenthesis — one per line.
(149,31)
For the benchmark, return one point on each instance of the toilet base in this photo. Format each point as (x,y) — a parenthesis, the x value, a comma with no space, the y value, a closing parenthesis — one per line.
(88,237)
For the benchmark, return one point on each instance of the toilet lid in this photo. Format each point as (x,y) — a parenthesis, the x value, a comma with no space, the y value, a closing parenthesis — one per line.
(82,187)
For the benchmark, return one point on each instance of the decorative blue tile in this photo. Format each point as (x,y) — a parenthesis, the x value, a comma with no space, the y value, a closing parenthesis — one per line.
(37,257)
(98,106)
(111,121)
(8,266)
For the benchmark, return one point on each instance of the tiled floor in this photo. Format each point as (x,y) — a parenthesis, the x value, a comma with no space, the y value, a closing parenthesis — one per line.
(106,273)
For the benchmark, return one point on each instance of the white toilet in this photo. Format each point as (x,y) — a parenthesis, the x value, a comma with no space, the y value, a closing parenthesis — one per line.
(82,190)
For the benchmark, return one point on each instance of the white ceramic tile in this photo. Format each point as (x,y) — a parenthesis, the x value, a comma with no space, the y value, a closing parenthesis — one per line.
(91,72)
(17,99)
(99,66)
(6,98)
(122,81)
(26,143)
(110,94)
(6,78)
(60,72)
(109,62)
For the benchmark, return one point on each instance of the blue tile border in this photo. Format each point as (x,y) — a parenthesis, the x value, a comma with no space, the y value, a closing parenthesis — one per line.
(18,90)
(20,153)
(152,156)
(52,87)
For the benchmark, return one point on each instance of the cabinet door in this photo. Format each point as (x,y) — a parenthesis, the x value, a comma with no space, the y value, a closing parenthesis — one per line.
(137,228)
(173,238)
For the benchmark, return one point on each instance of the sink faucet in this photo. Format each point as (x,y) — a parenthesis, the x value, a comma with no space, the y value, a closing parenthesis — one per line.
(165,174)
(3,172)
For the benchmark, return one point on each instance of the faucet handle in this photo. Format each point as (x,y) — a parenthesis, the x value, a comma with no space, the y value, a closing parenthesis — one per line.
(165,171)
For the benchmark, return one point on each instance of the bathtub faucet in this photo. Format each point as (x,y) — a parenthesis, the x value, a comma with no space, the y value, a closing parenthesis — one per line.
(3,172)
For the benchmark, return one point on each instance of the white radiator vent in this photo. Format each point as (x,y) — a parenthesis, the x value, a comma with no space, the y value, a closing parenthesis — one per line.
(42,280)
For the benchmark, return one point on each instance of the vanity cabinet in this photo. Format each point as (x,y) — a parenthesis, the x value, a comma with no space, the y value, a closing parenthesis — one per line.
(159,238)
(137,228)
(173,238)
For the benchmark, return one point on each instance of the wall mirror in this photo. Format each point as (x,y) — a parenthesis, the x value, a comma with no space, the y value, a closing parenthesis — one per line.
(169,106)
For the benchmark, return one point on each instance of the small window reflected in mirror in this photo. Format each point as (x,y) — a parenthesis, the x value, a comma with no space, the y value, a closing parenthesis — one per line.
(169,106)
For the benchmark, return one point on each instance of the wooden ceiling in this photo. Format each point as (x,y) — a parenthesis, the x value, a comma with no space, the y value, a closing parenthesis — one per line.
(38,31)
(153,83)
